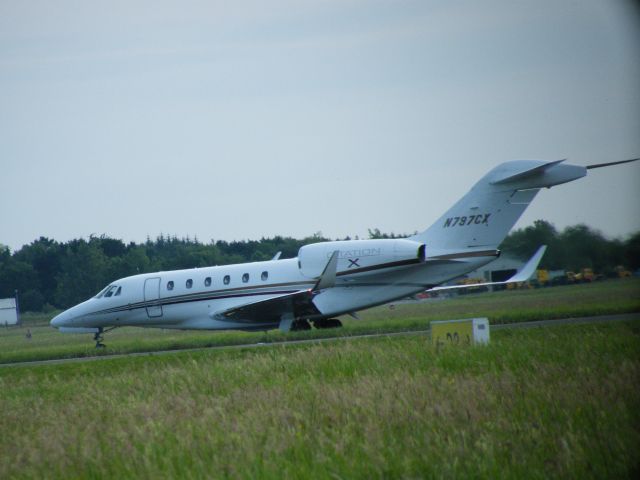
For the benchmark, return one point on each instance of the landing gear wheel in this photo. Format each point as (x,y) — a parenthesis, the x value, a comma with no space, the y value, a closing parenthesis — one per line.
(300,325)
(327,323)
(98,338)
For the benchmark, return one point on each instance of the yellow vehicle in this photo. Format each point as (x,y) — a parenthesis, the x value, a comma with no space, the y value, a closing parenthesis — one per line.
(622,272)
(542,276)
(472,281)
(469,281)
(585,275)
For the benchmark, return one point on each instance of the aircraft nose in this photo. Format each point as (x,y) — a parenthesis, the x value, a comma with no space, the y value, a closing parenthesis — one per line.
(60,320)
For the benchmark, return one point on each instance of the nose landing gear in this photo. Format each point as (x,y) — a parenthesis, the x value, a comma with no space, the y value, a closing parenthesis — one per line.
(98,336)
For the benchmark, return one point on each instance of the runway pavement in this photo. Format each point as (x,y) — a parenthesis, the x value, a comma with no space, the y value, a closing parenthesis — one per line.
(540,323)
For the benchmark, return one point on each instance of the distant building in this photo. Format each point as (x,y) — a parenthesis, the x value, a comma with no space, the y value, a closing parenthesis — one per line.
(501,269)
(8,312)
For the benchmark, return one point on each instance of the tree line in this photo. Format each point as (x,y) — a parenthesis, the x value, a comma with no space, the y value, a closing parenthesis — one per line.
(574,248)
(51,275)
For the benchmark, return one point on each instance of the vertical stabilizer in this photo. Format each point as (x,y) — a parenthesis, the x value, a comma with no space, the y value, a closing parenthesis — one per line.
(484,216)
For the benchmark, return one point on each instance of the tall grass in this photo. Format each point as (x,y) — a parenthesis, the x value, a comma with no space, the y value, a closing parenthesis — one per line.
(561,401)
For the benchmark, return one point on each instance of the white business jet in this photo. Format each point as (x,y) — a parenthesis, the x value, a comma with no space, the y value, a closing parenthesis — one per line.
(329,279)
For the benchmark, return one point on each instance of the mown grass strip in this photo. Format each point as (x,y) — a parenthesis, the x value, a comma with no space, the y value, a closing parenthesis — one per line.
(611,297)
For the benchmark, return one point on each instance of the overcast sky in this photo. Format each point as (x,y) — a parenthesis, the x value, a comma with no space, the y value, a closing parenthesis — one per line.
(244,119)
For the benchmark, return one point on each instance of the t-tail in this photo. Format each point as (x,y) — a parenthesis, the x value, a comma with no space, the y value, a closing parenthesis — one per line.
(485,215)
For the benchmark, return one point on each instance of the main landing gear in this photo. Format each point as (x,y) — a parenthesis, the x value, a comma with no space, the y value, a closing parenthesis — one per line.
(302,324)
(327,323)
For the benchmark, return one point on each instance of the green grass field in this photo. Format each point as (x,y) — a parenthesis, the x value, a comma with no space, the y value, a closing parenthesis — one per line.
(621,296)
(561,402)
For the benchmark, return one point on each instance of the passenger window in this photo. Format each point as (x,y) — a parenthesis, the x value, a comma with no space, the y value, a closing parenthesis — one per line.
(264,276)
(170,285)
(189,283)
(226,279)
(117,292)
(245,278)
(207,282)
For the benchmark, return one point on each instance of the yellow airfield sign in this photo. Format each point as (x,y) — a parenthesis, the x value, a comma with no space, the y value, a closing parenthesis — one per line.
(470,331)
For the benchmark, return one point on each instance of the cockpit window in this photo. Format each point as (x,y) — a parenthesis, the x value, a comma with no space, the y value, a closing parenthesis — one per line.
(102,292)
(118,291)
(111,290)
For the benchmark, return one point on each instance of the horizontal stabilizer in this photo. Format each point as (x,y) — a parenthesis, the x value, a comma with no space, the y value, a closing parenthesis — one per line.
(512,177)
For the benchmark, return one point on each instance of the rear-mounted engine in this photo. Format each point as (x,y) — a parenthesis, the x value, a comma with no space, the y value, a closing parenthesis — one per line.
(360,256)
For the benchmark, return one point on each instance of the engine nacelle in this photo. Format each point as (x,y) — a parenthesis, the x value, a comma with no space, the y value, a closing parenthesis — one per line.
(359,256)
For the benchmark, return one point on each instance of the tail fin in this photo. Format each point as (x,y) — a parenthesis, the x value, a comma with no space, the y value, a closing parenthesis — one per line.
(484,216)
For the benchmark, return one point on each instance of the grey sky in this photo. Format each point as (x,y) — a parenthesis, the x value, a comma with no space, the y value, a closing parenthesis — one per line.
(235,120)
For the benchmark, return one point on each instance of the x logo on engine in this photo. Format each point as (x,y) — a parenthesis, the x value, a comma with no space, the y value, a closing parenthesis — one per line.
(353,263)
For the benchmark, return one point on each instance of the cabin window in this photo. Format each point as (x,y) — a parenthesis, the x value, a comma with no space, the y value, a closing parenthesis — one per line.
(118,292)
(170,285)
(264,276)
(226,279)
(245,278)
(207,282)
(189,283)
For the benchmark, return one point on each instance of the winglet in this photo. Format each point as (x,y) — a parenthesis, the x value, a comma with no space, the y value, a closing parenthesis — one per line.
(328,277)
(523,275)
(530,268)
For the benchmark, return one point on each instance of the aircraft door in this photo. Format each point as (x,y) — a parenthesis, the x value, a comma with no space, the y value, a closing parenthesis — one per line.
(152,292)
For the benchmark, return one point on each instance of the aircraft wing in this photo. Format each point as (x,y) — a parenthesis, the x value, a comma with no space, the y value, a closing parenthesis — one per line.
(272,309)
(297,304)
(524,274)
